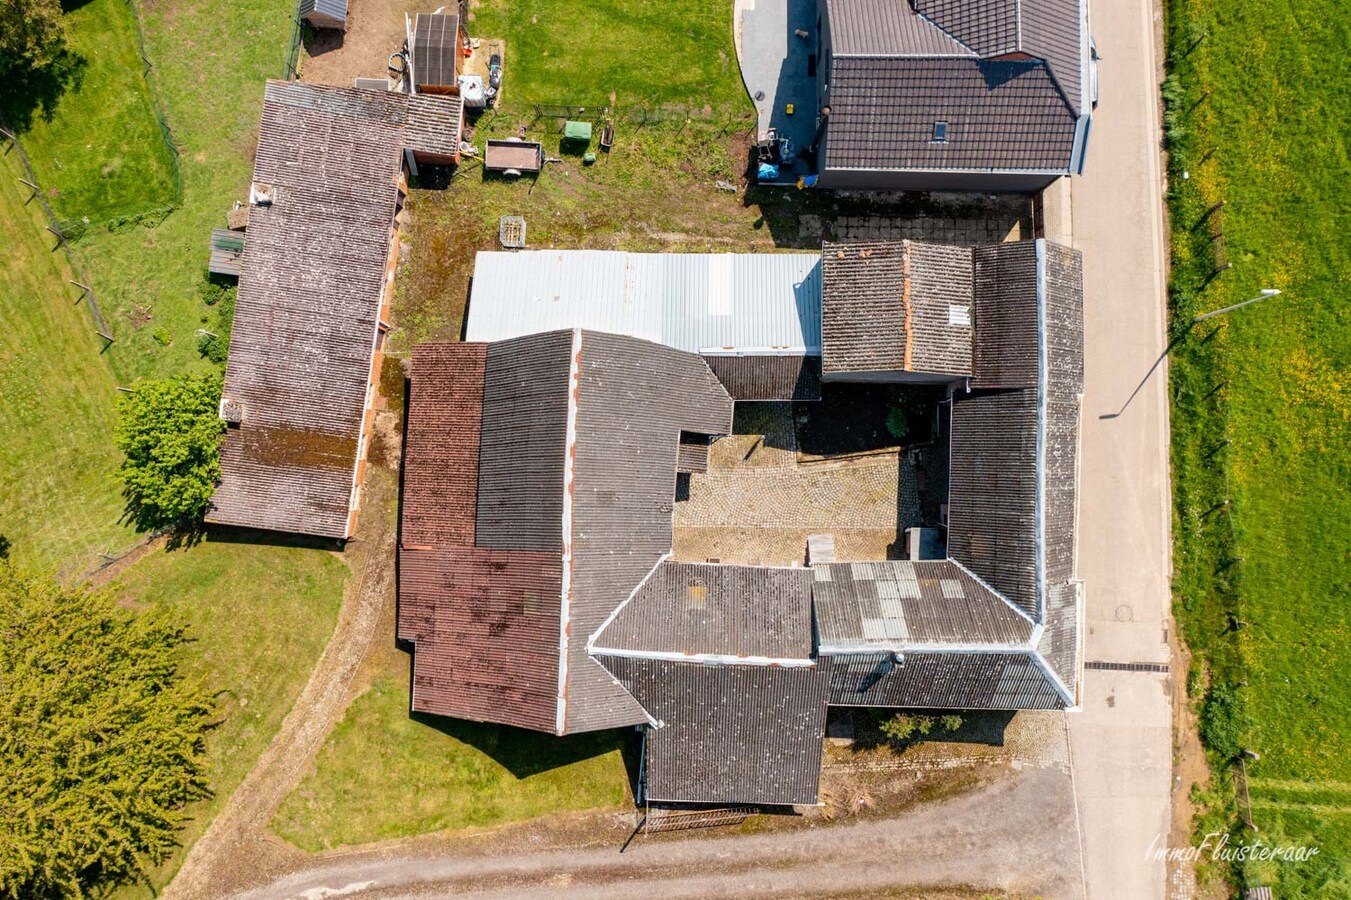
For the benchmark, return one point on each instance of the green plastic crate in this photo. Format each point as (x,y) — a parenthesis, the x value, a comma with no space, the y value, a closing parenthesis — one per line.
(577,131)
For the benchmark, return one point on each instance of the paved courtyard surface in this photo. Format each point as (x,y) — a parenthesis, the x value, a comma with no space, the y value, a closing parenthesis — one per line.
(757,504)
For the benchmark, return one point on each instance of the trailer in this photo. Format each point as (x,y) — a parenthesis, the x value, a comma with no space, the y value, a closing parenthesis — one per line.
(513,156)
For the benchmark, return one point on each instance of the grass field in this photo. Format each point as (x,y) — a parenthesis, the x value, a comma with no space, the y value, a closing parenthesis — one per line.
(1257,120)
(101,154)
(59,498)
(562,52)
(383,774)
(208,75)
(261,615)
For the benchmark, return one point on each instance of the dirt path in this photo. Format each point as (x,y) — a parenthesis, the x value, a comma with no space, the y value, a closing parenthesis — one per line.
(1015,835)
(237,845)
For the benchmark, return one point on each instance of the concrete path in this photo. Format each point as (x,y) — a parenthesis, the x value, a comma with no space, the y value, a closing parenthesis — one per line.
(1121,741)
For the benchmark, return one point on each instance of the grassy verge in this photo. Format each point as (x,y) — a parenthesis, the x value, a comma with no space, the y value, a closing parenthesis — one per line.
(59,499)
(1261,419)
(562,52)
(383,774)
(208,73)
(260,615)
(99,151)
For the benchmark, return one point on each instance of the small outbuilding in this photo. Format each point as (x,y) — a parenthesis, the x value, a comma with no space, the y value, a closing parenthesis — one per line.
(325,13)
(436,57)
(227,252)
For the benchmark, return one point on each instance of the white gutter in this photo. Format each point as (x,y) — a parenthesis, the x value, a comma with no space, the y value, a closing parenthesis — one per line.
(565,600)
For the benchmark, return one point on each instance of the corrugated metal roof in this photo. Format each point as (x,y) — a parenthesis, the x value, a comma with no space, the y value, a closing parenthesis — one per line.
(704,609)
(903,603)
(689,301)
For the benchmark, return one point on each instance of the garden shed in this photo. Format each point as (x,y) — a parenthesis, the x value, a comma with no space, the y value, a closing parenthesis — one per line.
(325,13)
(436,56)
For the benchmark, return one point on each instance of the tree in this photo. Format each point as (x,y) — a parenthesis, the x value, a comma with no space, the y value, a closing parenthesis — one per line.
(101,739)
(170,432)
(32,35)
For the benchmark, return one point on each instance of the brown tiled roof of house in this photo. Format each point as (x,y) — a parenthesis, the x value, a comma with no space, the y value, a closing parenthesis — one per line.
(998,114)
(896,306)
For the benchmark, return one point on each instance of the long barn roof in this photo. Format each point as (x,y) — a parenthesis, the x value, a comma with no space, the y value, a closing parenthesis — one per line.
(315,270)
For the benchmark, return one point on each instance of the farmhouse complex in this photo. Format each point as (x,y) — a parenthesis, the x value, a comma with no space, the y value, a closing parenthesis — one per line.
(545,578)
(537,581)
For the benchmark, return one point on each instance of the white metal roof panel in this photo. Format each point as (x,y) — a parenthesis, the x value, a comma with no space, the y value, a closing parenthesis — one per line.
(762,302)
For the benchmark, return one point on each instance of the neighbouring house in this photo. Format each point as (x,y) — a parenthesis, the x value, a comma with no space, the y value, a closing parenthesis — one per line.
(979,95)
(755,318)
(315,280)
(435,56)
(538,587)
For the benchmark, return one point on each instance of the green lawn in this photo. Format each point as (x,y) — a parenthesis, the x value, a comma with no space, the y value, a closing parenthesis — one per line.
(209,69)
(260,615)
(1263,590)
(678,52)
(101,154)
(59,499)
(383,774)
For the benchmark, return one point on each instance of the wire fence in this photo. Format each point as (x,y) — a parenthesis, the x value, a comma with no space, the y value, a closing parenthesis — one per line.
(290,64)
(641,116)
(81,280)
(76,227)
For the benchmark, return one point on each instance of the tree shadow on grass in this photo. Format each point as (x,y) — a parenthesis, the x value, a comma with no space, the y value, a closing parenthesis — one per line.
(524,753)
(33,93)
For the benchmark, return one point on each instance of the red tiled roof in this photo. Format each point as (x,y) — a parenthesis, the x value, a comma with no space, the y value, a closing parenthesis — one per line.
(445,409)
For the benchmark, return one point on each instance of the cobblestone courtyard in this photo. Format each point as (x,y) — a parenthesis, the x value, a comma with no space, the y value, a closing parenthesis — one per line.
(757,505)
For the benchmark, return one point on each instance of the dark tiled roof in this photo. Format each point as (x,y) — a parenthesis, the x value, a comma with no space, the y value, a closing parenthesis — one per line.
(990,27)
(577,440)
(895,605)
(729,734)
(634,398)
(956,680)
(887,28)
(715,610)
(305,321)
(525,442)
(993,493)
(1051,30)
(1014,440)
(768,377)
(896,306)
(1003,115)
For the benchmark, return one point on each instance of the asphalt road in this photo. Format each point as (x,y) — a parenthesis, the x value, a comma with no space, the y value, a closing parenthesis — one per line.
(977,840)
(1121,740)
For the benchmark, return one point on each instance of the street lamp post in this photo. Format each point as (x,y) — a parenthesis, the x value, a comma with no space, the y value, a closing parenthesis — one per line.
(1266,292)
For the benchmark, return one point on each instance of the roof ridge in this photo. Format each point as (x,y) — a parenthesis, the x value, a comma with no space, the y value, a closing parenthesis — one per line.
(569,458)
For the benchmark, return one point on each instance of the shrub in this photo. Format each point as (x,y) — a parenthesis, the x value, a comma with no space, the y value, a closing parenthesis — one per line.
(904,728)
(170,433)
(161,336)
(101,737)
(1220,721)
